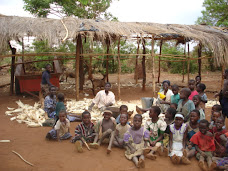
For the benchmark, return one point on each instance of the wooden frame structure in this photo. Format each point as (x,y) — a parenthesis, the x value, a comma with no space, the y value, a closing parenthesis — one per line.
(107,32)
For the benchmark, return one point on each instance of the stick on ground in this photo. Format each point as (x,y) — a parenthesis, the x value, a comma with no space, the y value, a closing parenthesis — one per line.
(22,158)
(84,141)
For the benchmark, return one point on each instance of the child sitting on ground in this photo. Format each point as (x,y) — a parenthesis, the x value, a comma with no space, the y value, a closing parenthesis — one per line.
(136,139)
(164,103)
(177,140)
(123,109)
(84,132)
(185,106)
(175,97)
(105,128)
(121,129)
(204,144)
(214,117)
(59,106)
(156,126)
(193,127)
(200,89)
(217,131)
(50,102)
(224,99)
(196,100)
(191,86)
(169,119)
(61,130)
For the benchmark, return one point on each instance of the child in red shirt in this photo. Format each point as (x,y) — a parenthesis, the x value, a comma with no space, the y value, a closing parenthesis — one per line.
(204,144)
(217,131)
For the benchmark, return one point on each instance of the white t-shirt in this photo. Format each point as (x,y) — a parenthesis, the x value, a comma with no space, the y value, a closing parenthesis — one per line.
(102,99)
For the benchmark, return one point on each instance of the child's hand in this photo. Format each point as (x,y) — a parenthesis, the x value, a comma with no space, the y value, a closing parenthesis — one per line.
(203,154)
(153,143)
(133,150)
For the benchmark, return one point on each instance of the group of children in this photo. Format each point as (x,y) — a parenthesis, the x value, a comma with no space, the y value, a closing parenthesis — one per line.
(178,130)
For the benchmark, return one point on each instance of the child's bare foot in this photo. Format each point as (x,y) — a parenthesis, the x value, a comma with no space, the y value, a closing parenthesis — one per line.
(141,163)
(151,156)
(109,151)
(213,166)
(185,153)
(138,110)
(202,165)
(94,145)
(178,159)
(185,160)
(78,147)
(48,136)
(165,151)
(146,151)
(159,151)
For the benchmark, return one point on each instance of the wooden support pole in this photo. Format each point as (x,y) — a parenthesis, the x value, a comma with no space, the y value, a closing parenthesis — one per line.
(144,65)
(13,50)
(81,69)
(107,61)
(153,66)
(159,62)
(119,69)
(136,63)
(90,72)
(188,63)
(222,78)
(183,63)
(23,52)
(77,62)
(199,58)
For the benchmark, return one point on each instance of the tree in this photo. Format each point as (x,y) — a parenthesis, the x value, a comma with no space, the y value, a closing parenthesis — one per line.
(215,13)
(89,9)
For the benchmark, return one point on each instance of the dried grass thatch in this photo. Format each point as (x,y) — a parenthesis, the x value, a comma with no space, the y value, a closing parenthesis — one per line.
(12,28)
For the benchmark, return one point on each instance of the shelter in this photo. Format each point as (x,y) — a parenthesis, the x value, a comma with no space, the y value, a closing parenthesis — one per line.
(57,30)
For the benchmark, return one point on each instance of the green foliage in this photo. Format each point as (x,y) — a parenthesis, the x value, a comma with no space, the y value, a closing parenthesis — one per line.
(215,13)
(89,9)
(172,66)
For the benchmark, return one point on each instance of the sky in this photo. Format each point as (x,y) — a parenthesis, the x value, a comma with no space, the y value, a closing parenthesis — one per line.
(159,11)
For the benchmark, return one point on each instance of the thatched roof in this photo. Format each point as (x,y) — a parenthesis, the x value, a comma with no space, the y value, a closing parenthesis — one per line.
(12,28)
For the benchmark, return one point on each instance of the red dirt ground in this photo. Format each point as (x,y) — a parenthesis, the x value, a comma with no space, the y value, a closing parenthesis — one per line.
(49,155)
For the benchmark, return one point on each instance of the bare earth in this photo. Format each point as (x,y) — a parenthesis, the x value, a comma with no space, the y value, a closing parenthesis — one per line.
(49,155)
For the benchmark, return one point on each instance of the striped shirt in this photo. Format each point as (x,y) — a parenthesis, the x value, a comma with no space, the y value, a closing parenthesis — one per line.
(83,131)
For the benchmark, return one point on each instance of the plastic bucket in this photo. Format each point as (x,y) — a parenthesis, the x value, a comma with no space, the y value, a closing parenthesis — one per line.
(147,102)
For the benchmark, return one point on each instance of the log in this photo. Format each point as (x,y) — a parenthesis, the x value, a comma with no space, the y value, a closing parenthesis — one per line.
(136,63)
(13,50)
(183,62)
(77,62)
(107,57)
(119,69)
(144,65)
(159,62)
(199,58)
(188,63)
(153,66)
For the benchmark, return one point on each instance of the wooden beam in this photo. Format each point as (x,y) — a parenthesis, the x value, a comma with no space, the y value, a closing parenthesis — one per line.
(153,66)
(119,69)
(136,63)
(90,72)
(13,50)
(199,58)
(188,63)
(159,62)
(222,78)
(77,62)
(144,65)
(107,57)
(81,69)
(183,63)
